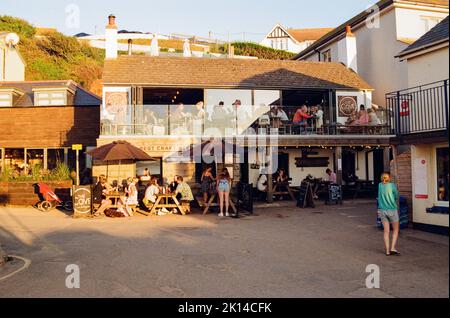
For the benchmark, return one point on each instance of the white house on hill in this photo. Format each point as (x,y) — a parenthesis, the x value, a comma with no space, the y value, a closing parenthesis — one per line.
(292,40)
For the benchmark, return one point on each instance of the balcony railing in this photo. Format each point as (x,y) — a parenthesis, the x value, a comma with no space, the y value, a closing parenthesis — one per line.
(420,109)
(224,121)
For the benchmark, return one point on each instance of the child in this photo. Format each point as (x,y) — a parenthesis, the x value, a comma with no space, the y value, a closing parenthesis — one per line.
(388,212)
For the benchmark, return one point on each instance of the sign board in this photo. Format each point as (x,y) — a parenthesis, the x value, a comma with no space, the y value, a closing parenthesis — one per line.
(420,178)
(82,201)
(305,196)
(77,147)
(334,194)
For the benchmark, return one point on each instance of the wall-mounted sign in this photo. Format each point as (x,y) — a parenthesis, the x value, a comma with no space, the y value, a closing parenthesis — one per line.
(347,105)
(312,162)
(420,177)
(77,147)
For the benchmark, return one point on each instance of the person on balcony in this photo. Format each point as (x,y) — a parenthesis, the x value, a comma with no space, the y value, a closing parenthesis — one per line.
(301,117)
(278,116)
(373,117)
(363,116)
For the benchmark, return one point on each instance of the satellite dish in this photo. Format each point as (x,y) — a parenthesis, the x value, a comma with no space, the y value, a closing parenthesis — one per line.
(12,39)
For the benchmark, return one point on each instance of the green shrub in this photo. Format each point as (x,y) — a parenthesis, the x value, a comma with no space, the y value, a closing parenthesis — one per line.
(60,173)
(16,25)
(252,49)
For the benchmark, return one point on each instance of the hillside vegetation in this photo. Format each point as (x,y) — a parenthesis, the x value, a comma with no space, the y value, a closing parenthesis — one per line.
(54,56)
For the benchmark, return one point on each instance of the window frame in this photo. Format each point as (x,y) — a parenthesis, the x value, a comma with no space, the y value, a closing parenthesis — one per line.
(436,200)
(63,92)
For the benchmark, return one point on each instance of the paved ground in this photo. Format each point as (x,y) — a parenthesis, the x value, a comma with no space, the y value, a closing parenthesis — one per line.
(280,252)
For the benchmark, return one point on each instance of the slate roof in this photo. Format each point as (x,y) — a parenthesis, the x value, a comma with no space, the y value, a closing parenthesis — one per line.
(437,35)
(81,97)
(226,73)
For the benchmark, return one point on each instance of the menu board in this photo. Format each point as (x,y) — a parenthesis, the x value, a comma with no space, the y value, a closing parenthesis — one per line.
(334,194)
(82,201)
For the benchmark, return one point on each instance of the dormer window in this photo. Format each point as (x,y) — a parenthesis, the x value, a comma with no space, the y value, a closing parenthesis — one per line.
(9,96)
(51,96)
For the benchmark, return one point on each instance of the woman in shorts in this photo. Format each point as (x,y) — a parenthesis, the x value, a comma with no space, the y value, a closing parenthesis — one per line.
(388,212)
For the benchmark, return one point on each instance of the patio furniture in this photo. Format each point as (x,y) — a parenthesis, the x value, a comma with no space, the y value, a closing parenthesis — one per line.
(163,201)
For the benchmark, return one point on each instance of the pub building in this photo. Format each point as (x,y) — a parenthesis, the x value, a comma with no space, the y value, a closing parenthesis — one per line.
(41,120)
(167,105)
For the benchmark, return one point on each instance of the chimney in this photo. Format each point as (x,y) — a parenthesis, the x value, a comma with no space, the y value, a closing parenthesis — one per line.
(130,47)
(111,45)
(347,50)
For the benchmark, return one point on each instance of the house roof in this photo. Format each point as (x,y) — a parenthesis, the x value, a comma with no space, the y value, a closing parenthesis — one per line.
(362,17)
(201,72)
(302,35)
(436,36)
(81,96)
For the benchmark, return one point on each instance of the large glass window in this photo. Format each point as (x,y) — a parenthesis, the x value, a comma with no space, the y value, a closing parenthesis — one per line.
(35,157)
(153,167)
(50,98)
(15,158)
(54,157)
(442,174)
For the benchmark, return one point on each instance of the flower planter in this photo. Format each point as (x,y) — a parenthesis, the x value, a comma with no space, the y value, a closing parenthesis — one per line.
(25,193)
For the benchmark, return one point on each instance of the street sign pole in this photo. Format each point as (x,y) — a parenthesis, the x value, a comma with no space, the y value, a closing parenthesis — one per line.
(77,148)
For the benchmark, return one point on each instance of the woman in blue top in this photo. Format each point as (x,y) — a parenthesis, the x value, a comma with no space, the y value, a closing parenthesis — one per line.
(224,188)
(388,212)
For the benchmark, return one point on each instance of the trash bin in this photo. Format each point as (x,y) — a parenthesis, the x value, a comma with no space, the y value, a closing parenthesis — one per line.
(403,214)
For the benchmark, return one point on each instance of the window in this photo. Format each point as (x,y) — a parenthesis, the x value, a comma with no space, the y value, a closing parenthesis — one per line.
(48,97)
(442,174)
(35,157)
(5,100)
(326,56)
(54,157)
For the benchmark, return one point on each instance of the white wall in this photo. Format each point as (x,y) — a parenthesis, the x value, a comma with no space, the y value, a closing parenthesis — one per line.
(377,48)
(411,24)
(428,68)
(362,99)
(293,47)
(427,152)
(15,66)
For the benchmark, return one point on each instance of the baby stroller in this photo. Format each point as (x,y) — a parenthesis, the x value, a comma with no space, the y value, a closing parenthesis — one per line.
(50,200)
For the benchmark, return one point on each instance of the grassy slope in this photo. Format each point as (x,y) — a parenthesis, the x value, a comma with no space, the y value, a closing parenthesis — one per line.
(55,56)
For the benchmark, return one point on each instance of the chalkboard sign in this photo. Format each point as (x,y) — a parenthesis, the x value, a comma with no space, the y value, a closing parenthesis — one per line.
(305,196)
(82,201)
(334,194)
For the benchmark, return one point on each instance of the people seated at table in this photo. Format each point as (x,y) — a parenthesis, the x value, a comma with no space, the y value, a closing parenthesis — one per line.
(183,190)
(101,189)
(261,185)
(363,116)
(301,117)
(281,182)
(151,192)
(207,184)
(178,117)
(224,189)
(332,177)
(130,199)
(318,115)
(373,117)
(173,185)
(278,116)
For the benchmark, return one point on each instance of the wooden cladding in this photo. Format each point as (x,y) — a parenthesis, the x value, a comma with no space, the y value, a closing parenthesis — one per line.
(51,126)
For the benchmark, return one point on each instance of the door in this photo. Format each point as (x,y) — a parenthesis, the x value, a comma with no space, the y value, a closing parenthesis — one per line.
(348,164)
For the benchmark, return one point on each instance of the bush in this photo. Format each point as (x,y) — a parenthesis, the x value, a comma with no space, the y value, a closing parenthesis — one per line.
(256,50)
(16,25)
(60,173)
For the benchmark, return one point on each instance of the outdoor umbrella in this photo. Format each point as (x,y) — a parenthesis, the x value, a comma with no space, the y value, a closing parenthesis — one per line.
(118,151)
(186,49)
(154,47)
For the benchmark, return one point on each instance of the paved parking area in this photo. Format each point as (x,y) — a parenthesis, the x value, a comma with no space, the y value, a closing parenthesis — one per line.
(281,251)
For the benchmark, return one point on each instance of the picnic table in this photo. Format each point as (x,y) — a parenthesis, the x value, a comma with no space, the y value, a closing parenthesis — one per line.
(164,201)
(287,189)
(114,197)
(210,204)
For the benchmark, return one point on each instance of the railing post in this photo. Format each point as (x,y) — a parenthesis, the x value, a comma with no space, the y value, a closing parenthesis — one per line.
(446,103)
(397,115)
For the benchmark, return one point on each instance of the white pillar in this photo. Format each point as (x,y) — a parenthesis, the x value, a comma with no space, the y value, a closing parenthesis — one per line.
(347,50)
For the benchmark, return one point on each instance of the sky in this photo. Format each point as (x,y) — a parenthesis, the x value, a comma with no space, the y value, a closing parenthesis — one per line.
(242,19)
